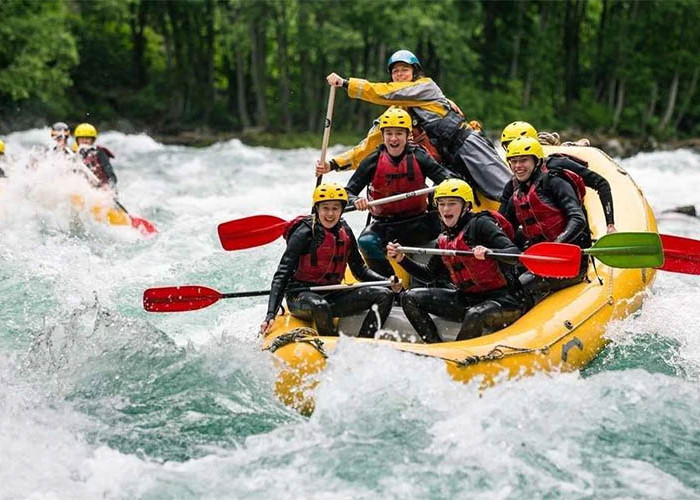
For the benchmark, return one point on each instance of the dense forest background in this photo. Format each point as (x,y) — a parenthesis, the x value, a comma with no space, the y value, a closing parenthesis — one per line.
(626,67)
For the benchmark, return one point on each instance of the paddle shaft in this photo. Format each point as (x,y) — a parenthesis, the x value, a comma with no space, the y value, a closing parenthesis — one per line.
(320,288)
(394,198)
(440,251)
(327,130)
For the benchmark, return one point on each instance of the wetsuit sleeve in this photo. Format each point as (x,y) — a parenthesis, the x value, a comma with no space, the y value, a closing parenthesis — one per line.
(351,158)
(487,233)
(432,169)
(362,177)
(107,167)
(357,264)
(591,179)
(424,272)
(298,243)
(422,93)
(566,199)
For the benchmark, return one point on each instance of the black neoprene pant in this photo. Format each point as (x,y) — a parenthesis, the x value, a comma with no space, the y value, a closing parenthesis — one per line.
(479,314)
(323,307)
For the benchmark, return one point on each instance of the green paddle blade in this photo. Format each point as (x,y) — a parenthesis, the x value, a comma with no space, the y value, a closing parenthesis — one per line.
(628,250)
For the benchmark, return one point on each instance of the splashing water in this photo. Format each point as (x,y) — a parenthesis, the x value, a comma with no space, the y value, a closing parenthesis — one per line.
(101,399)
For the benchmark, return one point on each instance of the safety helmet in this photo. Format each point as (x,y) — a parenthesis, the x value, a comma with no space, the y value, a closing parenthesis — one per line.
(515,130)
(329,192)
(85,130)
(2,147)
(454,188)
(404,56)
(395,117)
(60,128)
(523,146)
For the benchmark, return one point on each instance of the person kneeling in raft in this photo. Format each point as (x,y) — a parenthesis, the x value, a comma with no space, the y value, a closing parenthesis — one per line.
(395,168)
(319,247)
(484,299)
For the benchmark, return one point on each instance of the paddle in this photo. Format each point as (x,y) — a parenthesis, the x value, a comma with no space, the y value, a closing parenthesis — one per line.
(327,130)
(681,255)
(258,230)
(146,227)
(628,250)
(193,297)
(551,260)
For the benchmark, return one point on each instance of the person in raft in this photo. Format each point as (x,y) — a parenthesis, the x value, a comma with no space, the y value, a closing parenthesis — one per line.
(463,150)
(546,206)
(482,298)
(319,247)
(559,162)
(96,158)
(395,168)
(60,134)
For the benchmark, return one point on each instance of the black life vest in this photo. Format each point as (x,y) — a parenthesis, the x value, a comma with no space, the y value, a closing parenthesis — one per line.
(391,178)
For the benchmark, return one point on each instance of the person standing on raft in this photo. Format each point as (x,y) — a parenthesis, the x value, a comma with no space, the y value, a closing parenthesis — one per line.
(395,168)
(482,299)
(462,149)
(319,247)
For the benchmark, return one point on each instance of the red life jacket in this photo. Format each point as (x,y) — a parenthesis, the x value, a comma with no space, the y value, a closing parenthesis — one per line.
(502,222)
(539,220)
(468,273)
(390,179)
(92,161)
(324,264)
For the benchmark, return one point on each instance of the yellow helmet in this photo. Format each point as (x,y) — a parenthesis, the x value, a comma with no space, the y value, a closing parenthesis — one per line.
(454,188)
(329,192)
(515,130)
(395,117)
(2,147)
(85,130)
(523,146)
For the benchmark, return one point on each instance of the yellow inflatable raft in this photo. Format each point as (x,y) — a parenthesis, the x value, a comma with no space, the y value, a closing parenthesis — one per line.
(563,332)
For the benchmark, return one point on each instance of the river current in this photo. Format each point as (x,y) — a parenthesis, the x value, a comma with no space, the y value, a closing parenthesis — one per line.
(101,399)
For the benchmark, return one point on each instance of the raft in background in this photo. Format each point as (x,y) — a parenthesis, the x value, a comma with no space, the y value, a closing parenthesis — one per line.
(563,332)
(113,215)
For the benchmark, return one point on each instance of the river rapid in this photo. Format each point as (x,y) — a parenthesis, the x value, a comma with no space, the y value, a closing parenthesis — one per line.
(101,399)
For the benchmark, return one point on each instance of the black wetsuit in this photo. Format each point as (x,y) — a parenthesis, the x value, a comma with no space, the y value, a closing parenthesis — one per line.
(593,180)
(322,307)
(415,230)
(479,313)
(554,191)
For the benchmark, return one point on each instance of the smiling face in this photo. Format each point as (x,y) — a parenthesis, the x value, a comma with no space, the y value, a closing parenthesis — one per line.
(329,213)
(395,140)
(450,210)
(522,167)
(401,72)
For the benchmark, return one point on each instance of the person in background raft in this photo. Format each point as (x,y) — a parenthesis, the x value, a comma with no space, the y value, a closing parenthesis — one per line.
(547,206)
(319,247)
(483,299)
(96,158)
(559,161)
(60,133)
(2,158)
(395,168)
(467,153)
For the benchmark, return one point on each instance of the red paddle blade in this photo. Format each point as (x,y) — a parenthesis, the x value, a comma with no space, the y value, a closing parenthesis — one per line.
(681,255)
(145,227)
(553,260)
(250,232)
(179,298)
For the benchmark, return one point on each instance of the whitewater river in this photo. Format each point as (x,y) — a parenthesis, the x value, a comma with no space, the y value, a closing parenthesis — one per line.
(100,399)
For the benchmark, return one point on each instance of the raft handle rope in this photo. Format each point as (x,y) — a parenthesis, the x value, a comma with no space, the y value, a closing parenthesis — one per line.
(498,351)
(302,334)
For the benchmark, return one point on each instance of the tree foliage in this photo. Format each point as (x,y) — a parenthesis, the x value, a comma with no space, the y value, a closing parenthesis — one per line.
(619,66)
